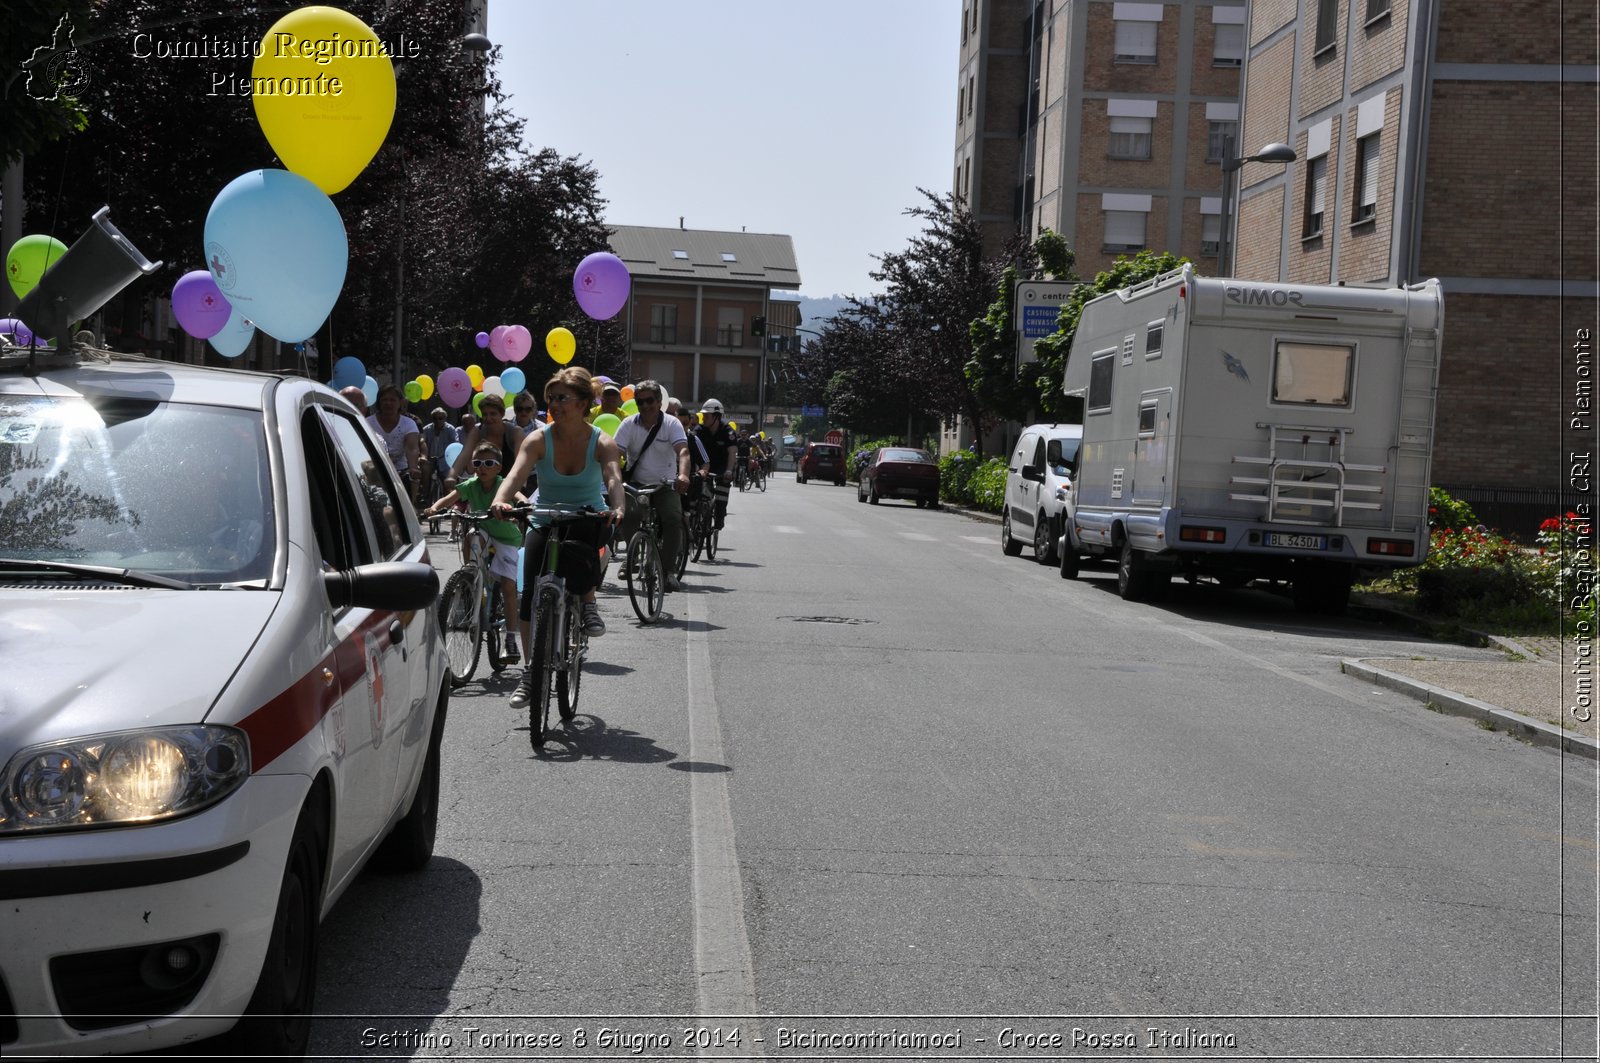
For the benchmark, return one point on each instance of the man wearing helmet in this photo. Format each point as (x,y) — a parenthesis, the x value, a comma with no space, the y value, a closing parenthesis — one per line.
(718,440)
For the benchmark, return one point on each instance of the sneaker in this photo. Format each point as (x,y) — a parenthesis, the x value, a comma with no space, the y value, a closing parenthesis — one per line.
(512,652)
(524,692)
(593,626)
(672,583)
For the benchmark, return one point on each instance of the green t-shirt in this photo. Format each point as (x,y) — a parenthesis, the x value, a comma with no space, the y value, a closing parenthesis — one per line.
(478,499)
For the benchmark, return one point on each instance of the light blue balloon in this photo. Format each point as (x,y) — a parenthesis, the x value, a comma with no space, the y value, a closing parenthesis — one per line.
(451,453)
(277,249)
(348,372)
(513,380)
(369,388)
(234,337)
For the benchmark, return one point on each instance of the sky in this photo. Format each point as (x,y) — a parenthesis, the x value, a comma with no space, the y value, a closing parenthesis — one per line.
(815,118)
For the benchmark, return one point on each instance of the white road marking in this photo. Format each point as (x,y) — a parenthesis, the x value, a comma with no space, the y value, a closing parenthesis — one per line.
(987,540)
(724,974)
(787,529)
(917,537)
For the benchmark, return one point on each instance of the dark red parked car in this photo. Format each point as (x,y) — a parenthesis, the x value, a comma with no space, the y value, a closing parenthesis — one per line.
(899,472)
(821,461)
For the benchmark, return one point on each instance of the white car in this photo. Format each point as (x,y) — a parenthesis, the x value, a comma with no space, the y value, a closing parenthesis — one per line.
(224,692)
(1039,490)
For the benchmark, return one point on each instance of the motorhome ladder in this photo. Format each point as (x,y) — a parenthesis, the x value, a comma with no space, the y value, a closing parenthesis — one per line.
(1305,490)
(1419,381)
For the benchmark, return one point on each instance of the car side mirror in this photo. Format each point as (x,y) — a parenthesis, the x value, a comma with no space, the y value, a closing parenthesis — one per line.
(400,586)
(1034,473)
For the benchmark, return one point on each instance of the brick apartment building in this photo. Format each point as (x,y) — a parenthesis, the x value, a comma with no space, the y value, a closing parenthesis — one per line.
(1452,139)
(696,295)
(1104,121)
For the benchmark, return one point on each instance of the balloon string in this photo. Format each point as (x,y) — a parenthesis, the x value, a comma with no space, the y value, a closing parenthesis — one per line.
(55,214)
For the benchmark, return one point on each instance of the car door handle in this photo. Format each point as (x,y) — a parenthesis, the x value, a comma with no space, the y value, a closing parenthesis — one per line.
(397,633)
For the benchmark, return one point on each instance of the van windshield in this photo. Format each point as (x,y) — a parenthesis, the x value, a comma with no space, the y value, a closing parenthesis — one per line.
(138,483)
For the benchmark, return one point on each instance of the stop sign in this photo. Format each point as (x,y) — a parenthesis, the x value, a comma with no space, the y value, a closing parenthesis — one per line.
(835,436)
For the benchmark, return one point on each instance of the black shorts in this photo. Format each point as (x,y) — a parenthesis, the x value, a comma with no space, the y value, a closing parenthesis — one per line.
(579,563)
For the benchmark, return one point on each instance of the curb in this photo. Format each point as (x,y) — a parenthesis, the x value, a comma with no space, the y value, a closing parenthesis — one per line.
(1453,704)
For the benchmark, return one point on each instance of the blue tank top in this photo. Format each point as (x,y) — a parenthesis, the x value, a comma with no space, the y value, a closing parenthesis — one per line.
(584,488)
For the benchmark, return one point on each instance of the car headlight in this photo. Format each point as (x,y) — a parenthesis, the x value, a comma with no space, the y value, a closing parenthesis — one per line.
(123,778)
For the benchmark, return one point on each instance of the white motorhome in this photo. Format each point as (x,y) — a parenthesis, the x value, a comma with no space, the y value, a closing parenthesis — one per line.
(1245,429)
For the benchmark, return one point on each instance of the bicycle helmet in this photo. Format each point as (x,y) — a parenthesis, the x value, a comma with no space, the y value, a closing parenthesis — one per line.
(712,406)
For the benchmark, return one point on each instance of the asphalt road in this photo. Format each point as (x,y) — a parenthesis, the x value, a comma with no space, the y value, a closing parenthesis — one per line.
(873,789)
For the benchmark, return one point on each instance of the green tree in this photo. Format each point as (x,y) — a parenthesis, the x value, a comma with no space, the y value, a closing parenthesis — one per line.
(1004,389)
(1052,350)
(32,113)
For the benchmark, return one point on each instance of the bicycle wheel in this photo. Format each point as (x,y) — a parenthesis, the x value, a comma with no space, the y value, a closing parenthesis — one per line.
(495,629)
(459,617)
(711,542)
(542,664)
(647,584)
(761,480)
(570,678)
(683,552)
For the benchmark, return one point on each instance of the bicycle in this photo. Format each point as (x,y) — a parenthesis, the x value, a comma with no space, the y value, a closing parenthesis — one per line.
(701,516)
(758,473)
(644,572)
(471,609)
(559,643)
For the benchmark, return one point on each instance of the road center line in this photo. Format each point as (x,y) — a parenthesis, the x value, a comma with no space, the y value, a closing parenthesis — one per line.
(723,971)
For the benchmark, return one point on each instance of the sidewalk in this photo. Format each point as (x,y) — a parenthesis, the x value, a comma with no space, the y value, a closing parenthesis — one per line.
(1521,695)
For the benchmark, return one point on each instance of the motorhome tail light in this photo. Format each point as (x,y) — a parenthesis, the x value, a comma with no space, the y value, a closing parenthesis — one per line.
(1191,534)
(1392,547)
(1183,290)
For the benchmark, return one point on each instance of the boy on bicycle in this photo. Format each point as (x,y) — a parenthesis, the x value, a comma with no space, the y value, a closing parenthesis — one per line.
(478,494)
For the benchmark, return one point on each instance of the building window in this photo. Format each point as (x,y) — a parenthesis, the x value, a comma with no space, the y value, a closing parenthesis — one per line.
(961,103)
(681,254)
(663,323)
(1366,204)
(1229,47)
(1316,196)
(963,28)
(1136,41)
(1377,9)
(1124,230)
(1211,234)
(1219,140)
(1327,25)
(729,256)
(971,96)
(725,372)
(730,326)
(1130,138)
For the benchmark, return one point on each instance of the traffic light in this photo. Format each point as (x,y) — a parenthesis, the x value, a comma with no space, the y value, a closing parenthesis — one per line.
(758,326)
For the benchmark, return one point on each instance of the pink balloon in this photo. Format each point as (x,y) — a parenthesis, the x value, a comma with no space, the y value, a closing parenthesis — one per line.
(601,284)
(454,386)
(198,304)
(497,341)
(517,342)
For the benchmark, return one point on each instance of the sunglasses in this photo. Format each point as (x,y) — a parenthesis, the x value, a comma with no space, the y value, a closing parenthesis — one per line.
(524,409)
(646,402)
(560,398)
(485,463)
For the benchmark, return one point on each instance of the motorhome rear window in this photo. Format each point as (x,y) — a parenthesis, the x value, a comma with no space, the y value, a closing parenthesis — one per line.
(1313,374)
(1100,367)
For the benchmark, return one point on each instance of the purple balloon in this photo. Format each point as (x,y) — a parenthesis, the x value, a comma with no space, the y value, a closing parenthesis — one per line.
(455,387)
(497,341)
(601,284)
(517,342)
(20,334)
(482,339)
(198,304)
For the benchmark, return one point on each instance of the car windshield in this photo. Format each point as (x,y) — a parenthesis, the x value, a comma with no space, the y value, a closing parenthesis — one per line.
(136,483)
(825,452)
(1061,453)
(908,455)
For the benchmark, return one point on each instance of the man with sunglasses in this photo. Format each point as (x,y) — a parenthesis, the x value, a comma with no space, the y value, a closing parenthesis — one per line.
(657,451)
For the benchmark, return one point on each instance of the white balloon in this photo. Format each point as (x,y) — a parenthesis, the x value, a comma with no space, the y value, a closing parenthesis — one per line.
(492,386)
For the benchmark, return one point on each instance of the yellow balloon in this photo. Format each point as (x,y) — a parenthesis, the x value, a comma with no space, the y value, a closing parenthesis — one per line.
(323,89)
(427,386)
(561,344)
(475,375)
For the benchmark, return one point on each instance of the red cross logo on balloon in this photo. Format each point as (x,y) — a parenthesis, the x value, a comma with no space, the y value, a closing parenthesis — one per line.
(218,266)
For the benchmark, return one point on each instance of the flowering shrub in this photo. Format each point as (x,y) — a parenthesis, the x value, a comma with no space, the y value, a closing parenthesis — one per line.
(1446,511)
(1566,564)
(989,485)
(955,477)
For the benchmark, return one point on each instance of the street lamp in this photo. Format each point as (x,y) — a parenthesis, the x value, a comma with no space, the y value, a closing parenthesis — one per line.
(1279,153)
(472,42)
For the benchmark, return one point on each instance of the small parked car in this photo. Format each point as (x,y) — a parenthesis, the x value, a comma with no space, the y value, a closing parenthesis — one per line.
(1038,504)
(899,472)
(821,461)
(224,693)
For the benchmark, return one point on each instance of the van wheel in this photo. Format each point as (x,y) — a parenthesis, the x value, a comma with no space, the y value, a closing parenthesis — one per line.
(1137,579)
(1069,557)
(1008,546)
(1044,543)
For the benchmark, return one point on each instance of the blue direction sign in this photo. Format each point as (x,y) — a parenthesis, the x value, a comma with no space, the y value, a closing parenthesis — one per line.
(1037,309)
(1040,320)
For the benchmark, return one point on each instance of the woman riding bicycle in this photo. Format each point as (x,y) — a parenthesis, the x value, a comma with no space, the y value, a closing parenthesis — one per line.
(577,466)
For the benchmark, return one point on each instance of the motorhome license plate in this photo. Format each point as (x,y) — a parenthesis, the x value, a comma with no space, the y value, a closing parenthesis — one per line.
(1297,542)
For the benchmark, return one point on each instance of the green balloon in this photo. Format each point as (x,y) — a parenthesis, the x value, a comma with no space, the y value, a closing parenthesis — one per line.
(413,391)
(608,423)
(27,260)
(630,407)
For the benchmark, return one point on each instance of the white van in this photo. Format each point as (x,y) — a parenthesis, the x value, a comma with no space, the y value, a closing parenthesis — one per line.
(1038,489)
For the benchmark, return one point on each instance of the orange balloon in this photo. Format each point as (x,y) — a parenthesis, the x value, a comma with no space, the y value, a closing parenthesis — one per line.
(627,392)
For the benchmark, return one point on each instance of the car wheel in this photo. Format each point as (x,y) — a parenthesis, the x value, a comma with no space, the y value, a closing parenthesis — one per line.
(1008,546)
(1044,542)
(277,1021)
(1069,559)
(872,494)
(799,477)
(838,483)
(861,491)
(409,846)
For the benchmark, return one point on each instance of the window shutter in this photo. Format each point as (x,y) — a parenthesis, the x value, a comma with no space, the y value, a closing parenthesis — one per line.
(1136,41)
(1125,228)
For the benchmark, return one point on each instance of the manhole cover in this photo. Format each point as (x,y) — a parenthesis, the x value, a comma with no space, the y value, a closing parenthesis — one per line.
(827,620)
